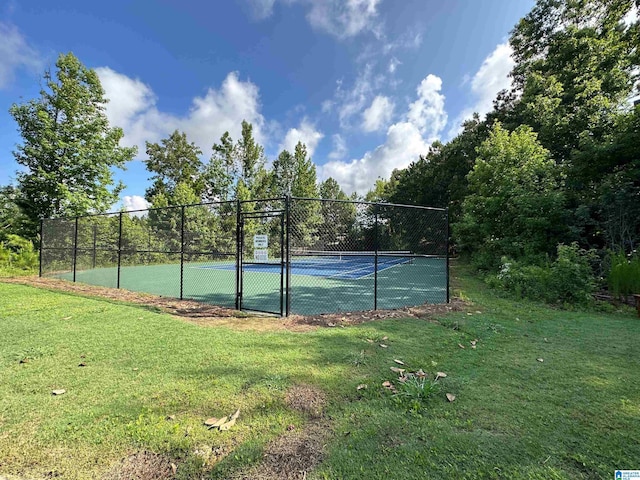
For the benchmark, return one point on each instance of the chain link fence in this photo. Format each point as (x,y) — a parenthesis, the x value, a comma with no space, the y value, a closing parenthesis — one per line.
(281,255)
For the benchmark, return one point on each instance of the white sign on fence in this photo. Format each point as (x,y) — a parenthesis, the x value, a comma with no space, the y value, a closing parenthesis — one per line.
(261,255)
(260,241)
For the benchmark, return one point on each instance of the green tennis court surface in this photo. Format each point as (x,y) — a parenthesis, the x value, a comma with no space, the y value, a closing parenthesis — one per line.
(421,281)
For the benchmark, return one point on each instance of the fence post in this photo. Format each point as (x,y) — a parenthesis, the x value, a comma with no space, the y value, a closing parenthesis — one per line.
(375,271)
(41,246)
(95,237)
(119,248)
(446,212)
(287,203)
(75,248)
(181,252)
(238,252)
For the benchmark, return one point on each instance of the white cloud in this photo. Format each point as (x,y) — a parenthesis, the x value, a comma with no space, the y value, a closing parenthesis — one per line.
(306,134)
(378,115)
(133,107)
(491,78)
(340,18)
(134,202)
(15,54)
(393,65)
(339,149)
(344,18)
(405,142)
(427,112)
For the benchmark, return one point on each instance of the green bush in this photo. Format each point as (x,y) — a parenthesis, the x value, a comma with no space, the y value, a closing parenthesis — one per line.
(568,279)
(624,274)
(17,252)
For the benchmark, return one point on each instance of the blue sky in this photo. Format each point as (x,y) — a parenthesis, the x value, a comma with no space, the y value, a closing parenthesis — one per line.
(366,84)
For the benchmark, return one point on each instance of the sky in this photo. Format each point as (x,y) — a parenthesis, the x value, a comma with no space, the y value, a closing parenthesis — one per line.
(367,85)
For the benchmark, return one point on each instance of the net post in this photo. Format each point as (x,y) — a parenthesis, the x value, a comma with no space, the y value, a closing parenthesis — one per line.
(75,248)
(41,247)
(119,248)
(287,201)
(446,213)
(238,253)
(181,252)
(375,268)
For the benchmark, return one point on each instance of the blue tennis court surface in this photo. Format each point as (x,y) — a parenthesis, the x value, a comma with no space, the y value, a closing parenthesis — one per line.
(345,268)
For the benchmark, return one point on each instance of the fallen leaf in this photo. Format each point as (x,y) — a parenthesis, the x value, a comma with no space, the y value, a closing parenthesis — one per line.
(135,369)
(171,417)
(219,422)
(58,392)
(67,318)
(399,362)
(387,384)
(478,311)
(397,370)
(82,364)
(24,360)
(331,324)
(209,421)
(473,346)
(420,374)
(384,346)
(174,468)
(450,397)
(546,340)
(440,375)
(385,338)
(460,345)
(473,342)
(235,415)
(291,427)
(369,340)
(540,360)
(403,378)
(226,426)
(362,386)
(469,313)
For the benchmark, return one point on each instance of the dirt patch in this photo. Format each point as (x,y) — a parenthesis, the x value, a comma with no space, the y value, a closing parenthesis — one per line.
(306,399)
(291,456)
(213,315)
(142,466)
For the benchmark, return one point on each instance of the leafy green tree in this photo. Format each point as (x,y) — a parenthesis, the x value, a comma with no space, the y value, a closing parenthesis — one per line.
(338,218)
(68,148)
(515,205)
(12,220)
(174,161)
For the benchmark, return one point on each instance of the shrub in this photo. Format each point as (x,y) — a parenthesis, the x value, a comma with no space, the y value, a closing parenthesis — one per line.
(17,252)
(624,274)
(569,279)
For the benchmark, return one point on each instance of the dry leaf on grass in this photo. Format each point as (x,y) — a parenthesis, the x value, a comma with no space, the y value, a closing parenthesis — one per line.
(384,346)
(440,375)
(385,338)
(399,362)
(460,345)
(218,422)
(450,397)
(541,360)
(369,340)
(209,422)
(362,386)
(420,374)
(397,370)
(61,391)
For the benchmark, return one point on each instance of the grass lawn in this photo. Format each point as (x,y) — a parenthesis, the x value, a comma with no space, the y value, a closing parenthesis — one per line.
(150,380)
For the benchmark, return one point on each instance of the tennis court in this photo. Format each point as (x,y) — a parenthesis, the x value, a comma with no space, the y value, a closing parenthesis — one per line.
(283,256)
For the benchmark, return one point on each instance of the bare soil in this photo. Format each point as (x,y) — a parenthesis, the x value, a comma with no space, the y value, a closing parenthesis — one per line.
(213,315)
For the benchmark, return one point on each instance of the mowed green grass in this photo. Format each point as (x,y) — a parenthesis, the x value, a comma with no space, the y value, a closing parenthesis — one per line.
(576,414)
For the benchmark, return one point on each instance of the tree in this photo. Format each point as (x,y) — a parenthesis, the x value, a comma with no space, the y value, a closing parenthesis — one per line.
(12,220)
(515,205)
(338,217)
(68,147)
(174,161)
